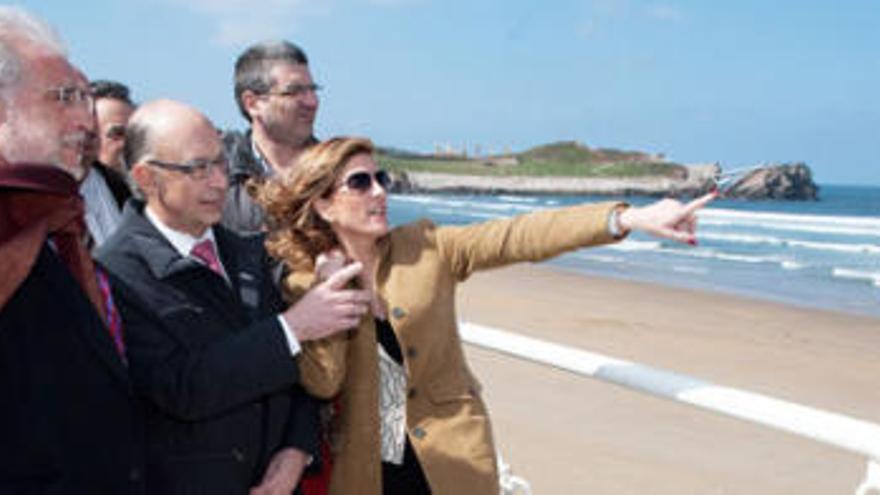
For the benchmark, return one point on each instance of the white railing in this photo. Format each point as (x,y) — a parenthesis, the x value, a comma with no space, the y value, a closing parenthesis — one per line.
(835,429)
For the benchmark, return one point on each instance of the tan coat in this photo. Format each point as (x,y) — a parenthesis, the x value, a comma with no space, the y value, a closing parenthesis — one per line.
(447,422)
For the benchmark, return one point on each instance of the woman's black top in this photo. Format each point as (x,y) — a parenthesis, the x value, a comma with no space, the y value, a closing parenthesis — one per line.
(407,478)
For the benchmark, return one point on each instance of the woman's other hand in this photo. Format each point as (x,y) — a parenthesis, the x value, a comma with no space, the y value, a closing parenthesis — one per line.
(667,218)
(329,263)
(283,473)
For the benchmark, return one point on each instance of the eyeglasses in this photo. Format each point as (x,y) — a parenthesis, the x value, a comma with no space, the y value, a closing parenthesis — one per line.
(362,182)
(296,90)
(72,95)
(198,169)
(115,131)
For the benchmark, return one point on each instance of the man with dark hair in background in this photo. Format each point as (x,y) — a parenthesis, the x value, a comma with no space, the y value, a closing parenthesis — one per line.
(69,422)
(105,188)
(113,107)
(275,93)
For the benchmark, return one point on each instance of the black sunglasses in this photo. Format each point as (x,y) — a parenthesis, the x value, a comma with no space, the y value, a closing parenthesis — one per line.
(363,181)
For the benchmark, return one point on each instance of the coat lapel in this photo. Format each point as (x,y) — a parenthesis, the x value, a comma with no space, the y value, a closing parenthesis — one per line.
(97,334)
(165,263)
(244,263)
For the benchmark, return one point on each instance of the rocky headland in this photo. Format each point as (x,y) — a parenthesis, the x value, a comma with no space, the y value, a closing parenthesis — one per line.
(430,182)
(775,182)
(575,169)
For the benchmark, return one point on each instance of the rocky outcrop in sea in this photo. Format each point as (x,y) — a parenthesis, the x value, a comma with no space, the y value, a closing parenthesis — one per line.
(786,181)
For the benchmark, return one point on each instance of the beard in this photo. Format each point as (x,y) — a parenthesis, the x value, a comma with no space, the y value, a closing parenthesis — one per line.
(25,139)
(22,141)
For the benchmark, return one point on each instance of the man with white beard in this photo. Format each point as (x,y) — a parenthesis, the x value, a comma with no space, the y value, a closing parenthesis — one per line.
(69,422)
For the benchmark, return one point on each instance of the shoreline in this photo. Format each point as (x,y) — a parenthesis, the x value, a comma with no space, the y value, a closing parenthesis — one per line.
(439,183)
(635,443)
(778,182)
(752,294)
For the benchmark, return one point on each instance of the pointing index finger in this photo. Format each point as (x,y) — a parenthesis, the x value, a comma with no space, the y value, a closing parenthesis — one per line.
(698,203)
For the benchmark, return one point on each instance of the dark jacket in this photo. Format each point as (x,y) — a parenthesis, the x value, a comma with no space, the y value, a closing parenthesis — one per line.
(69,423)
(116,182)
(241,214)
(211,360)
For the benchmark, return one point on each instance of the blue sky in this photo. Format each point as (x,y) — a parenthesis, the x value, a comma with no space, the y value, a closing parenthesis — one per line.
(739,82)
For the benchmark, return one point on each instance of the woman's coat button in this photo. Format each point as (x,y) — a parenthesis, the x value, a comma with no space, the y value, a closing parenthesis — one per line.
(398,313)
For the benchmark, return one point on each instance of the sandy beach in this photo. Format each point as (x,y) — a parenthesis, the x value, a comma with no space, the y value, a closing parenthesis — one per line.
(570,435)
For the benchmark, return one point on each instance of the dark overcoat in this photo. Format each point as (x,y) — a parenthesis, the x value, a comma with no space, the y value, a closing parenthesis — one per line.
(69,422)
(209,357)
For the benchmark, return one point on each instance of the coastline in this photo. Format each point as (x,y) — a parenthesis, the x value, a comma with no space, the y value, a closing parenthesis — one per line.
(774,182)
(618,441)
(428,182)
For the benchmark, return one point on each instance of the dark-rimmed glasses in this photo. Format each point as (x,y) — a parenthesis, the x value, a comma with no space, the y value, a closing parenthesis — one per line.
(296,90)
(72,95)
(115,131)
(198,169)
(362,182)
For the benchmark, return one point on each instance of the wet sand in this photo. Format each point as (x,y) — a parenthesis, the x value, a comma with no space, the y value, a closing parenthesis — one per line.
(570,435)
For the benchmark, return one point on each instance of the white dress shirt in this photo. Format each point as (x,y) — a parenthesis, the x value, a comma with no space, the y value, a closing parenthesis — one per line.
(183,244)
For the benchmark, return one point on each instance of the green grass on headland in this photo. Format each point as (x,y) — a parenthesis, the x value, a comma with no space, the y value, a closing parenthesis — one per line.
(532,169)
(565,159)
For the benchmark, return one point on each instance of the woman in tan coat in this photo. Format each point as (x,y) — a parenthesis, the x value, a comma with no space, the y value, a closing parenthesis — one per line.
(409,415)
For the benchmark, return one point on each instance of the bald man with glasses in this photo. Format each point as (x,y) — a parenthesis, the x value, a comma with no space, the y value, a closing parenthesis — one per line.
(212,347)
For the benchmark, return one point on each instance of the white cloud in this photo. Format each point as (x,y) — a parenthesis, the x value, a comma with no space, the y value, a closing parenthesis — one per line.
(611,8)
(601,16)
(244,21)
(391,3)
(665,13)
(587,28)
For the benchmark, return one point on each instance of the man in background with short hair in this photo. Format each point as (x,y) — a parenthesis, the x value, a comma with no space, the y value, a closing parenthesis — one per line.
(105,188)
(275,93)
(113,108)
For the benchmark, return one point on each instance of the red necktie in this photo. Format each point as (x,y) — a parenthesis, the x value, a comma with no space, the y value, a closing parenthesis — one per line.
(205,252)
(114,321)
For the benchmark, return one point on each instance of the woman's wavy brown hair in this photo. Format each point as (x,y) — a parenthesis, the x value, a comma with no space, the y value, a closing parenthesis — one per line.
(297,234)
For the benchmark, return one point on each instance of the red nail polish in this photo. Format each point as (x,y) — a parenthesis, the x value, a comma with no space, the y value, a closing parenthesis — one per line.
(692,242)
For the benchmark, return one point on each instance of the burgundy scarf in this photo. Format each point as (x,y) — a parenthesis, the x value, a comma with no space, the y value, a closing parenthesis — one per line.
(39,202)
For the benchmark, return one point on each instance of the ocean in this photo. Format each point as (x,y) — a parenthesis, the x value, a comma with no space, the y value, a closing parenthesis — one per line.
(823,254)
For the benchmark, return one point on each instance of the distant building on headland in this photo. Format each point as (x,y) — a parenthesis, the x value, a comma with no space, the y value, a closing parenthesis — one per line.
(477,151)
